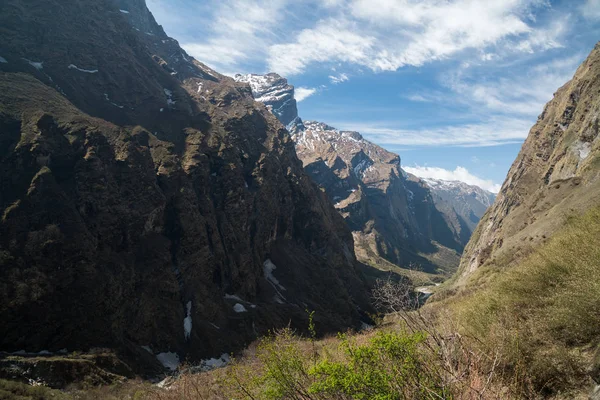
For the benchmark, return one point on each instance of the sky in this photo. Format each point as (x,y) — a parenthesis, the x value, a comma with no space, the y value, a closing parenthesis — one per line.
(453,86)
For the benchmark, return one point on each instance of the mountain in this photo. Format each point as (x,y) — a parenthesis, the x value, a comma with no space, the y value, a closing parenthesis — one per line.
(555,175)
(149,205)
(274,91)
(391,216)
(395,217)
(468,202)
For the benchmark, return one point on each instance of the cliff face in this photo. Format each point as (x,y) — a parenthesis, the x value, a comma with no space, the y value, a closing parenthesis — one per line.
(147,200)
(274,92)
(555,175)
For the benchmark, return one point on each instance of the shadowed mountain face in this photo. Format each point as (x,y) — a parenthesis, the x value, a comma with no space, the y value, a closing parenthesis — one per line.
(555,175)
(395,217)
(147,200)
(467,202)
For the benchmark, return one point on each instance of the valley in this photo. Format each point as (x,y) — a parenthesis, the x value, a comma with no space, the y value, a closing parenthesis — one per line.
(168,231)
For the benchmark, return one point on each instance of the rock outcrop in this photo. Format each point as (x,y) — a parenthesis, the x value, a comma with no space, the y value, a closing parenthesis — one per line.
(556,174)
(274,91)
(147,200)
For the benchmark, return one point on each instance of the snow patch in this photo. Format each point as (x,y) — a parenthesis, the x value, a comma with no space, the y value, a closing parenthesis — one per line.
(169,360)
(232,297)
(124,11)
(213,363)
(148,349)
(199,87)
(39,65)
(169,95)
(268,268)
(583,149)
(364,326)
(108,99)
(187,321)
(89,71)
(239,308)
(3,60)
(40,353)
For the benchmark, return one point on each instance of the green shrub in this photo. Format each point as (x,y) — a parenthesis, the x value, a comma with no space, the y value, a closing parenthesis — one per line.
(388,367)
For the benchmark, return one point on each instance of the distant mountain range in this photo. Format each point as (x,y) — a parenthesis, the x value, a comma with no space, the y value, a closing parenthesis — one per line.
(395,217)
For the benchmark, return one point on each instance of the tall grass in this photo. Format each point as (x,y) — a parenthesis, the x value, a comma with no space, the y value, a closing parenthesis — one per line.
(543,312)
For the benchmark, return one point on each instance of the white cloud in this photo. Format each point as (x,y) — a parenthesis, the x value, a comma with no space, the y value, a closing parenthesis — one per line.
(492,132)
(522,93)
(240,30)
(339,78)
(545,38)
(301,93)
(459,174)
(329,41)
(385,35)
(590,9)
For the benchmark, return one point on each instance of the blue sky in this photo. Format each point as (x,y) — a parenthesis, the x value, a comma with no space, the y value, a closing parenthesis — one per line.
(453,86)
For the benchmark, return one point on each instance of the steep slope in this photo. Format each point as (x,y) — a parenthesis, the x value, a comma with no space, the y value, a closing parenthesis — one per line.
(555,175)
(274,91)
(147,200)
(463,205)
(391,216)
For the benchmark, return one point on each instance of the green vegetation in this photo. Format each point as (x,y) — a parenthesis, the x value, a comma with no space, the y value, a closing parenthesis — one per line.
(383,365)
(389,366)
(10,390)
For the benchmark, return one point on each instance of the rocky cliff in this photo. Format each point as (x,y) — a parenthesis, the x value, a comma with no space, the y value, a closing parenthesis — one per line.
(148,203)
(556,174)
(274,92)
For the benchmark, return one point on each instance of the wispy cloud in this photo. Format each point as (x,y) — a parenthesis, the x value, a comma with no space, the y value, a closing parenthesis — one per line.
(239,31)
(458,174)
(329,41)
(493,132)
(339,78)
(590,9)
(302,93)
(385,35)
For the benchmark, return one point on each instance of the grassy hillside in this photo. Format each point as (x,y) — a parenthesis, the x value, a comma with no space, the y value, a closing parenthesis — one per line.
(543,313)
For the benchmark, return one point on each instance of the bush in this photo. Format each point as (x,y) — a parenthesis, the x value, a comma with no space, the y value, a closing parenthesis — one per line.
(388,367)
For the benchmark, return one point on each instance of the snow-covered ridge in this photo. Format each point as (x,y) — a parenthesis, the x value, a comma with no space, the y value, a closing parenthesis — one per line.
(267,88)
(459,188)
(277,95)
